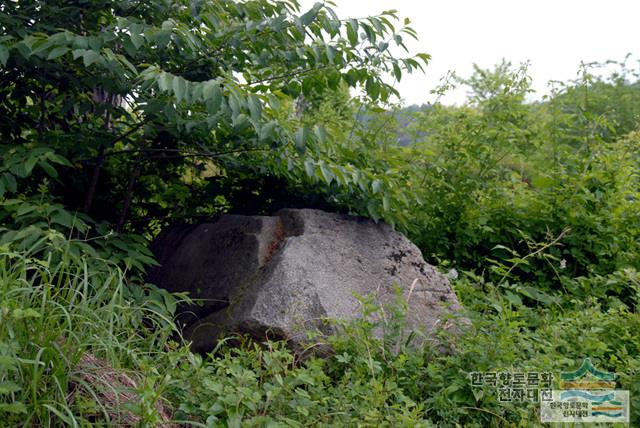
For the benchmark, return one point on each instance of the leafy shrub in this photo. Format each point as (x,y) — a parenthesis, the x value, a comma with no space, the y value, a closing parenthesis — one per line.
(497,175)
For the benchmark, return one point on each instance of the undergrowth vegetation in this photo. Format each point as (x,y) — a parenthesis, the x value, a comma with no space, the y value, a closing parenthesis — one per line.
(118,118)
(59,304)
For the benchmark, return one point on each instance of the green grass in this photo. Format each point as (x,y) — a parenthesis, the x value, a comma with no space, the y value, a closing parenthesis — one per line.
(56,307)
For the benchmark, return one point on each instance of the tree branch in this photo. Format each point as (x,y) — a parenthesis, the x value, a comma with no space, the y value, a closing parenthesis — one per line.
(289,75)
(88,201)
(180,153)
(135,171)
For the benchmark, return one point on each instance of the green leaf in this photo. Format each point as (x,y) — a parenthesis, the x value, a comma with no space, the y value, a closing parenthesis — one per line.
(129,48)
(274,101)
(310,169)
(25,208)
(234,104)
(15,407)
(162,38)
(397,72)
(63,218)
(512,298)
(331,53)
(267,132)
(170,301)
(91,57)
(127,63)
(308,17)
(23,49)
(240,121)
(377,25)
(326,173)
(53,157)
(352,32)
(211,93)
(386,202)
(373,88)
(4,55)
(136,39)
(29,164)
(369,32)
(10,181)
(300,139)
(376,185)
(321,133)
(372,208)
(77,53)
(57,52)
(179,86)
(541,181)
(80,42)
(164,81)
(209,89)
(213,105)
(255,107)
(20,313)
(8,362)
(339,175)
(40,45)
(424,57)
(169,24)
(95,42)
(7,387)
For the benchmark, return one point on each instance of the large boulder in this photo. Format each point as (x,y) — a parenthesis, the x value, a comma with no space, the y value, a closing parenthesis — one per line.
(281,276)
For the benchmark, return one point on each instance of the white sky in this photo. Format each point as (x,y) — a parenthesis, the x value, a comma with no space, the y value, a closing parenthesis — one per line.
(555,35)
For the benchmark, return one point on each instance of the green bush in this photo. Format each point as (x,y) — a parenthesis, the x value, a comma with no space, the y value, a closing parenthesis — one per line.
(498,175)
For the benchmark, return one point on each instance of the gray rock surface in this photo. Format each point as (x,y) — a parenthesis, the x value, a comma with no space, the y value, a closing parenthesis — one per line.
(280,276)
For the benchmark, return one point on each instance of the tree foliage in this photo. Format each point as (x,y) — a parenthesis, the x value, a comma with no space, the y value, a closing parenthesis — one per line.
(134,112)
(499,177)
